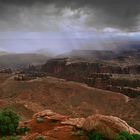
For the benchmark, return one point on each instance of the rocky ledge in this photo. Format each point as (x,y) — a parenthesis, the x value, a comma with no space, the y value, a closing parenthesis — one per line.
(52,126)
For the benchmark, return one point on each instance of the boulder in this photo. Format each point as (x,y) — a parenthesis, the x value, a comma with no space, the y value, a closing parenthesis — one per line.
(109,126)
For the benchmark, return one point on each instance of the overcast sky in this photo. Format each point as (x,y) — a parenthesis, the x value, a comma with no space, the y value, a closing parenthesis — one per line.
(62,25)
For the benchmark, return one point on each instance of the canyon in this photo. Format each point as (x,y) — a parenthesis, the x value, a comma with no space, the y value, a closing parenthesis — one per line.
(76,88)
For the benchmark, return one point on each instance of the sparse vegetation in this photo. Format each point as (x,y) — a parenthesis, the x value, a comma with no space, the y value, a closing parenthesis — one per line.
(9,121)
(10,138)
(136,136)
(14,138)
(95,136)
(127,136)
(3,138)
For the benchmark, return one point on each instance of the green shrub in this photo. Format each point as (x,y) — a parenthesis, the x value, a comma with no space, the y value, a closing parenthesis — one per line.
(95,136)
(136,136)
(120,137)
(14,138)
(10,138)
(3,138)
(9,121)
(126,136)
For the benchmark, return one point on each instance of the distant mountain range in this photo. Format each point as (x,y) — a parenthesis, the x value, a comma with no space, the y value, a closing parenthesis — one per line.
(14,60)
(124,54)
(94,54)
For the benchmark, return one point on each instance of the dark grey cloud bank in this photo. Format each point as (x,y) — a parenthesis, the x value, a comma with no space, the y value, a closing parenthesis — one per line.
(44,15)
(63,25)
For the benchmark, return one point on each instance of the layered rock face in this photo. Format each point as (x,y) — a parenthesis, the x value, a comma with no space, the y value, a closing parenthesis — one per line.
(53,126)
(58,65)
(99,75)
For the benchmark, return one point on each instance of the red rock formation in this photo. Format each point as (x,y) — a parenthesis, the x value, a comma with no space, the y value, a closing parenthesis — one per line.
(98,75)
(109,126)
(53,126)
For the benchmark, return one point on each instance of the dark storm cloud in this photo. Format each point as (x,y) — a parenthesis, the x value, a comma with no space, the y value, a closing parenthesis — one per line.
(63,25)
(49,14)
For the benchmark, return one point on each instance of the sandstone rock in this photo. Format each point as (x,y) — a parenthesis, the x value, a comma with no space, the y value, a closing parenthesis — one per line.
(58,127)
(30,137)
(48,114)
(78,122)
(109,126)
(64,133)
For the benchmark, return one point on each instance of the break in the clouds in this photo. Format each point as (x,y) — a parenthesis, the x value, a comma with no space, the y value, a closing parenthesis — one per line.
(44,15)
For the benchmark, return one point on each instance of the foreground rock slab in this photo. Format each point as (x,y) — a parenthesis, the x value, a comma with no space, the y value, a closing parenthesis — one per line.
(109,126)
(53,126)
